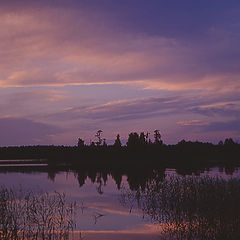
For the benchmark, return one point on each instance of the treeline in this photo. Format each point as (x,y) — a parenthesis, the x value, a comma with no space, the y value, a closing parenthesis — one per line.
(139,151)
(134,139)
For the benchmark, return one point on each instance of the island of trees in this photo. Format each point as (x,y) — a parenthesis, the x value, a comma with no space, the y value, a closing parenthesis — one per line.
(139,151)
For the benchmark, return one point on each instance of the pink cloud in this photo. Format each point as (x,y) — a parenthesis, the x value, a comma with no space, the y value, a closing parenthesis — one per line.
(57,47)
(192,123)
(53,46)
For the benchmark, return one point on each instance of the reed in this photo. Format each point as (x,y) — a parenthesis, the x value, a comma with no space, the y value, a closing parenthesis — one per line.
(187,208)
(26,215)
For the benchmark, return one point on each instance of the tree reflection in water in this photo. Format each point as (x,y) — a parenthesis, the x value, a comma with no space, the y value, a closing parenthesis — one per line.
(199,208)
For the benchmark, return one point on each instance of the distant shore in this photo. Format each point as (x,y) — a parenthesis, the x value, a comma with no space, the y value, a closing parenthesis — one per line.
(139,155)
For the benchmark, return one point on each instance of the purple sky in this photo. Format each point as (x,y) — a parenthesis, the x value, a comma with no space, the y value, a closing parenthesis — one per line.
(69,68)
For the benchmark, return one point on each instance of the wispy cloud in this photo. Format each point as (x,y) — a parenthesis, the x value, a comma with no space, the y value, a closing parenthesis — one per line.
(125,109)
(230,126)
(158,106)
(18,131)
(189,50)
(54,46)
(228,109)
(191,123)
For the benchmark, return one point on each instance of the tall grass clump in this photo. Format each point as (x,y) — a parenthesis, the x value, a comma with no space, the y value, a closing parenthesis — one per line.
(201,208)
(26,215)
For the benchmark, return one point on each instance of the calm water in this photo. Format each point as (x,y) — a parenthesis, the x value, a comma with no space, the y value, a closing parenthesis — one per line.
(101,213)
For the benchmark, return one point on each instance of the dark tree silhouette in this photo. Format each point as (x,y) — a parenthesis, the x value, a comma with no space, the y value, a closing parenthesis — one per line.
(228,141)
(104,142)
(117,142)
(182,142)
(157,137)
(148,138)
(185,153)
(133,139)
(142,138)
(80,142)
(98,135)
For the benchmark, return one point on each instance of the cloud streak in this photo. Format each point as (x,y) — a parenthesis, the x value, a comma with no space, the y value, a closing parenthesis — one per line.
(229,126)
(186,54)
(17,131)
(54,46)
(161,106)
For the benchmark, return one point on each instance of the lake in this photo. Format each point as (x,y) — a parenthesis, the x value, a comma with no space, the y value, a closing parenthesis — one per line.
(107,204)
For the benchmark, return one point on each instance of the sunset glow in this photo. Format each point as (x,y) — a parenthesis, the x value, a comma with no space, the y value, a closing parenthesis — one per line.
(69,68)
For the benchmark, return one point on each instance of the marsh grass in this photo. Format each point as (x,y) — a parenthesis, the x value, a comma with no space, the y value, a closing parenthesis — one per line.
(26,215)
(201,208)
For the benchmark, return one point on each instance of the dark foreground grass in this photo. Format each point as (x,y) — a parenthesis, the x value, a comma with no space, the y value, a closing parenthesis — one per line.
(189,208)
(25,215)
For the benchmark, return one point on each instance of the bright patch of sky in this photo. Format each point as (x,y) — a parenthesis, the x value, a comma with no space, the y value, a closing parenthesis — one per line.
(73,67)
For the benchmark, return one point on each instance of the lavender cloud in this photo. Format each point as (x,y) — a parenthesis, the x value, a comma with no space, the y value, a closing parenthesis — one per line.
(208,105)
(233,125)
(57,46)
(18,131)
(188,53)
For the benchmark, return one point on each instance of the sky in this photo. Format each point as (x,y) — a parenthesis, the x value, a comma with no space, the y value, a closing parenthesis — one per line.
(71,67)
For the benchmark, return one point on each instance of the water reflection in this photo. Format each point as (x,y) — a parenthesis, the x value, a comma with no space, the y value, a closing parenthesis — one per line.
(26,215)
(190,207)
(121,204)
(136,178)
